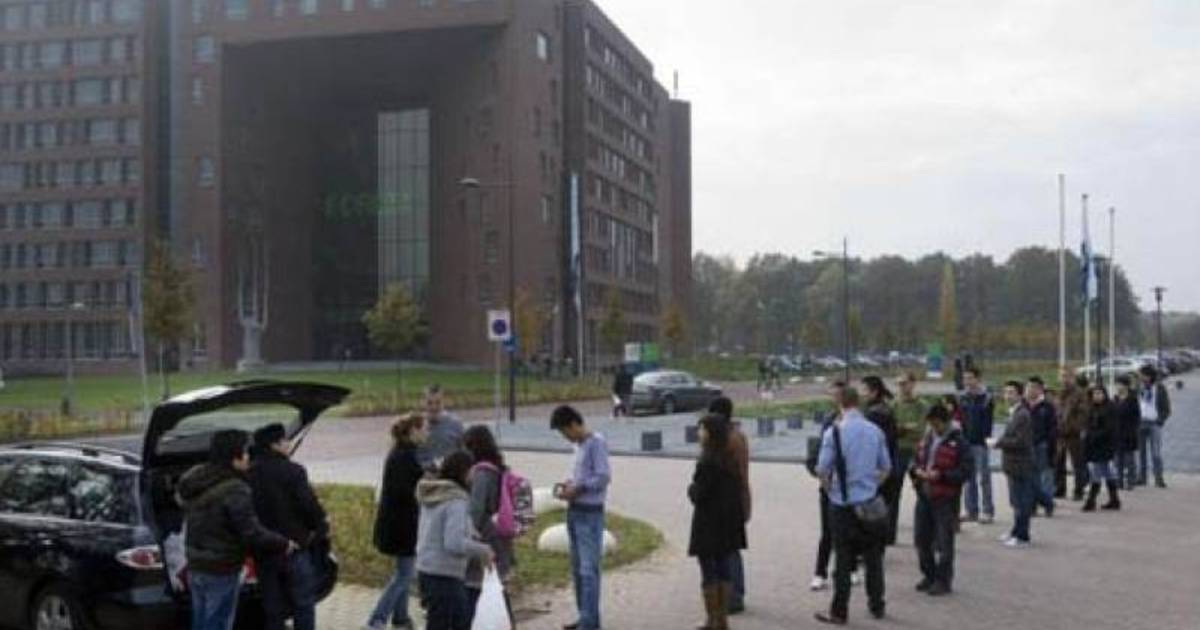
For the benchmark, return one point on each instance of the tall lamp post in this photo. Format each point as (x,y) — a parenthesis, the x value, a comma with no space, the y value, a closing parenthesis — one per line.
(1158,294)
(69,395)
(845,255)
(471,183)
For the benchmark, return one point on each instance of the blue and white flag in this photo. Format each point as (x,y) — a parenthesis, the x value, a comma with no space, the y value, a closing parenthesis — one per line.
(1091,280)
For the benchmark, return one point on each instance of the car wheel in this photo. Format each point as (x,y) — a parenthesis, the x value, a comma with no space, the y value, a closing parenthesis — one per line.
(56,608)
(668,406)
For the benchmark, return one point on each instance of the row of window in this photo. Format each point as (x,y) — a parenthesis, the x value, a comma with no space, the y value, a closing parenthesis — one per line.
(91,214)
(54,295)
(74,53)
(619,64)
(615,196)
(631,301)
(66,255)
(617,164)
(239,10)
(48,340)
(52,134)
(601,117)
(70,174)
(25,16)
(92,92)
(601,84)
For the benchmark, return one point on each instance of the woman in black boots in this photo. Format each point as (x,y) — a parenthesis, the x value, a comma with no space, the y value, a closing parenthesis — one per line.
(1099,448)
(718,528)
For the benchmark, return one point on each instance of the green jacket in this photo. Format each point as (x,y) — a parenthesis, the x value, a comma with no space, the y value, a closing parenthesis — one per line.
(910,423)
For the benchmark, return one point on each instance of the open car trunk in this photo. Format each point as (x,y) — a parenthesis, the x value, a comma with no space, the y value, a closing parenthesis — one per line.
(178,437)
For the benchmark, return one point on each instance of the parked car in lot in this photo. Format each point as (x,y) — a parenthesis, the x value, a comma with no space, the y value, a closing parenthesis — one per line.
(669,392)
(91,536)
(1111,367)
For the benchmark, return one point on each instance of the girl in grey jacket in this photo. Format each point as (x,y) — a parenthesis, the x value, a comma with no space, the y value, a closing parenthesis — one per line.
(446,542)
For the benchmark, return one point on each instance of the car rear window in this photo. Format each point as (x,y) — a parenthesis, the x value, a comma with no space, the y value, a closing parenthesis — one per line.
(195,432)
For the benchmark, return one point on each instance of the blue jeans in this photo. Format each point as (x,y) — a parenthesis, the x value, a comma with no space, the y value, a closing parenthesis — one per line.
(214,600)
(1020,497)
(585,528)
(737,572)
(1101,471)
(393,602)
(1126,468)
(1150,443)
(1044,482)
(288,582)
(445,600)
(981,474)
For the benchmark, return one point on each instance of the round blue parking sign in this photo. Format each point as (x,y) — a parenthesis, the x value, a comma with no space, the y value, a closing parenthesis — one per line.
(500,328)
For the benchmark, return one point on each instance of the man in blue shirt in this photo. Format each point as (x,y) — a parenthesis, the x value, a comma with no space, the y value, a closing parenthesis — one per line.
(855,480)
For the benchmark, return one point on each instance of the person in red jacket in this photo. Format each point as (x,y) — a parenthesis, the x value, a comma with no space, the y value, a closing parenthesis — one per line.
(940,466)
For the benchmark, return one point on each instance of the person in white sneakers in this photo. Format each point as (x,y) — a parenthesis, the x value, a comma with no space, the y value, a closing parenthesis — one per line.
(1017,447)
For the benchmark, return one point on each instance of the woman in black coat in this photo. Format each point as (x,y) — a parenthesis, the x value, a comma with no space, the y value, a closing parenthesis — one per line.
(1100,447)
(881,413)
(1129,421)
(397,517)
(718,523)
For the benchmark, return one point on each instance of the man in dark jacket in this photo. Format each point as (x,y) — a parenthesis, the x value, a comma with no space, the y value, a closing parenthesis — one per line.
(977,408)
(1017,445)
(1045,440)
(286,503)
(1155,406)
(941,465)
(222,529)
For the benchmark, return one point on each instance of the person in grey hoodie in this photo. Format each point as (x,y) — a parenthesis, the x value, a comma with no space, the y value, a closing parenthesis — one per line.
(446,543)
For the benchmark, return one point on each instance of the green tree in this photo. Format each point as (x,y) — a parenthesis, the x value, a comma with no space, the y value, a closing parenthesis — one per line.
(674,329)
(948,310)
(528,323)
(612,328)
(167,302)
(395,324)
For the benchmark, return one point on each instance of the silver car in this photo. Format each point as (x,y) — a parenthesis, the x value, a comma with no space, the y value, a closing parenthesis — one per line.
(668,392)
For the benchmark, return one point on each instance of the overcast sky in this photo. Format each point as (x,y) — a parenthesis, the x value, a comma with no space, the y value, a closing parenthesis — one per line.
(922,126)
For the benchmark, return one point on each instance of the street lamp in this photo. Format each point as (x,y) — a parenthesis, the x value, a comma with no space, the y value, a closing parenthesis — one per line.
(471,183)
(69,394)
(1158,294)
(845,300)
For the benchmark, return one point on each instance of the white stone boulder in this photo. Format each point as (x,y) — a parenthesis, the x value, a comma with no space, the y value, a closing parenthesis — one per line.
(554,540)
(544,501)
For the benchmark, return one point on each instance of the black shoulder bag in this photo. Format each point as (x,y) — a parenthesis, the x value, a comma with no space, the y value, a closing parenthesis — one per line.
(873,514)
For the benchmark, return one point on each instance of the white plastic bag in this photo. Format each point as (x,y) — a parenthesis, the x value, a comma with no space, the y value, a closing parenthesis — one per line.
(491,613)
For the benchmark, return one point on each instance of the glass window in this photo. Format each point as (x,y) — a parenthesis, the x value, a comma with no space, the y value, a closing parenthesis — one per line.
(236,9)
(102,496)
(543,46)
(206,172)
(126,11)
(118,50)
(347,5)
(37,15)
(95,12)
(37,486)
(87,52)
(54,54)
(131,131)
(277,8)
(204,49)
(14,17)
(308,7)
(197,90)
(377,4)
(102,131)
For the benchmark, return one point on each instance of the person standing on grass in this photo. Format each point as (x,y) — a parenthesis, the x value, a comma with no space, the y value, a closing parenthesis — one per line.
(446,543)
(1017,445)
(486,479)
(1045,440)
(739,449)
(977,409)
(1155,405)
(718,522)
(1072,418)
(941,465)
(1099,448)
(853,462)
(222,530)
(286,503)
(445,430)
(396,520)
(585,493)
(1129,420)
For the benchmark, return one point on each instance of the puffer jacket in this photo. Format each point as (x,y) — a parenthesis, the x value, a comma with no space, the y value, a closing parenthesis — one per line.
(222,528)
(952,461)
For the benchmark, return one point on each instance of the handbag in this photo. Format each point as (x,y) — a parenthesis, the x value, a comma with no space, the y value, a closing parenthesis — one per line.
(874,513)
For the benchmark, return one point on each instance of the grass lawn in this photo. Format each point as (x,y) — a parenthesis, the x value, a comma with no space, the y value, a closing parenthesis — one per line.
(352,512)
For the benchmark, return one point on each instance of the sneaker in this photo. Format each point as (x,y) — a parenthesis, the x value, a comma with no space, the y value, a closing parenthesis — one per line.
(1014,543)
(987,519)
(924,585)
(856,578)
(818,583)
(1004,538)
(938,590)
(969,518)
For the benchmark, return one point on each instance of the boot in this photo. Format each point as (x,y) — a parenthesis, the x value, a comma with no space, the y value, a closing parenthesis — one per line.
(1158,481)
(712,601)
(1114,500)
(721,612)
(1090,505)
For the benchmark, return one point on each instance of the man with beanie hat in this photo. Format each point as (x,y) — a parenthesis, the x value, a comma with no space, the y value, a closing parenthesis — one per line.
(285,503)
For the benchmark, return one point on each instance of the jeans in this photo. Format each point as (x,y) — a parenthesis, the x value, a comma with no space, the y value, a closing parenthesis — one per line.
(981,474)
(1020,497)
(393,602)
(1150,442)
(585,529)
(1101,471)
(1043,481)
(714,570)
(891,489)
(737,574)
(445,601)
(214,600)
(852,541)
(1126,467)
(288,583)
(933,536)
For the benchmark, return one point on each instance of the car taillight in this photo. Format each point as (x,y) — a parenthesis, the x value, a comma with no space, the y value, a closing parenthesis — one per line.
(146,558)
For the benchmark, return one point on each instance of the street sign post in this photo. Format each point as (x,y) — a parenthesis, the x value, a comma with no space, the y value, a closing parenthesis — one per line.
(499,332)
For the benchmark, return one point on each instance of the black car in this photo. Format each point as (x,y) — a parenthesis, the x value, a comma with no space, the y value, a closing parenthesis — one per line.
(90,537)
(668,392)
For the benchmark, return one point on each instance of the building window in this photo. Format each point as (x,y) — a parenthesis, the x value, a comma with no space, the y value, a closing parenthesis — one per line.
(126,11)
(237,9)
(197,90)
(54,54)
(543,46)
(277,8)
(347,5)
(199,11)
(206,172)
(204,49)
(87,52)
(547,209)
(308,7)
(377,4)
(404,186)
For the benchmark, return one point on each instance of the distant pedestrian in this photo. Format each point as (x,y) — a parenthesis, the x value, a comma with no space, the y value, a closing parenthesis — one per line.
(942,464)
(1129,420)
(880,412)
(396,520)
(1017,445)
(718,523)
(854,461)
(1045,441)
(1099,449)
(285,502)
(739,449)
(585,493)
(960,377)
(445,430)
(622,391)
(977,408)
(486,481)
(222,530)
(1072,417)
(1155,405)
(764,374)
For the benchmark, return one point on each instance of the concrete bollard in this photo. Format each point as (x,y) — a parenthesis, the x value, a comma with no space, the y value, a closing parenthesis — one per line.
(795,423)
(652,441)
(691,434)
(555,540)
(766,427)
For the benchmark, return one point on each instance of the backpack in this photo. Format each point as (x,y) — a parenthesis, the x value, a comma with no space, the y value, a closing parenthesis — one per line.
(514,512)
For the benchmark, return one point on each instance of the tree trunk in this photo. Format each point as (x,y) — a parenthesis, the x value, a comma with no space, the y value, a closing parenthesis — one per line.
(399,384)
(162,370)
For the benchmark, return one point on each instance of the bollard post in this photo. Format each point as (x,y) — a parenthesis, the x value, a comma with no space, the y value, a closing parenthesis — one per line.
(652,441)
(766,427)
(691,434)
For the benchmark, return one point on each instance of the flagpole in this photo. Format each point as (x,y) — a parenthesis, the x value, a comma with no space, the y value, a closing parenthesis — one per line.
(1112,291)
(1087,297)
(1062,271)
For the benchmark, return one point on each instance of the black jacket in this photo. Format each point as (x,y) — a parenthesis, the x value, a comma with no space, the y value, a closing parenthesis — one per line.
(1045,423)
(222,528)
(1129,420)
(398,513)
(882,415)
(718,525)
(1100,435)
(284,499)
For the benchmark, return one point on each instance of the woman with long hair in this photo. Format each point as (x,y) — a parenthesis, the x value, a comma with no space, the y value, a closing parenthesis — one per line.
(879,410)
(396,519)
(718,524)
(487,475)
(1099,448)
